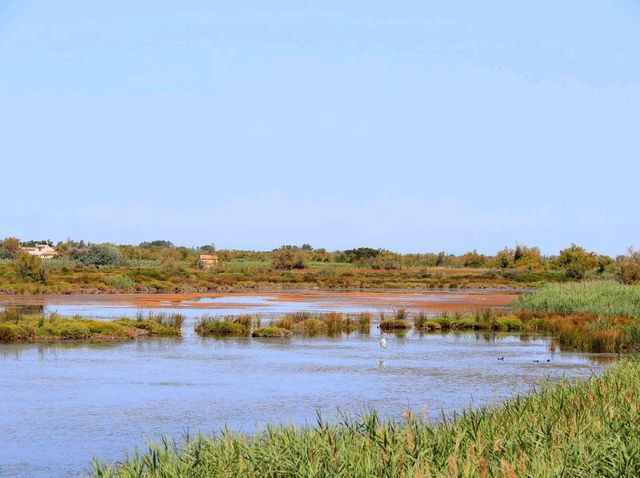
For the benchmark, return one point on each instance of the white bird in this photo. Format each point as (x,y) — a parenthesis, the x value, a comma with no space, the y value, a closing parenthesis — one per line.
(383,343)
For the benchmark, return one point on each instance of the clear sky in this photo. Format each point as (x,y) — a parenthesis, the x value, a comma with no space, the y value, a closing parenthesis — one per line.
(408,125)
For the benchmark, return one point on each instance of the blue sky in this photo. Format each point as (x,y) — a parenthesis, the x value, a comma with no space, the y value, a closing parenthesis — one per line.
(409,125)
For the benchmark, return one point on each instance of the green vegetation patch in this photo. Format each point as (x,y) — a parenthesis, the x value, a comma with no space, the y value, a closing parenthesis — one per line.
(15,327)
(603,298)
(330,323)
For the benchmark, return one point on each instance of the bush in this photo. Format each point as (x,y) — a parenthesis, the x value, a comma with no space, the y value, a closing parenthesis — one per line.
(30,268)
(576,262)
(288,258)
(628,268)
(9,248)
(101,255)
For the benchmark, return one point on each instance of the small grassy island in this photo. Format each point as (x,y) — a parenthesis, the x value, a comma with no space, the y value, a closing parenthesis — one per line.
(15,327)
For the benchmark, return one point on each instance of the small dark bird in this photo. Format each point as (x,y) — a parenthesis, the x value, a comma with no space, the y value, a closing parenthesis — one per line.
(548,360)
(536,361)
(500,358)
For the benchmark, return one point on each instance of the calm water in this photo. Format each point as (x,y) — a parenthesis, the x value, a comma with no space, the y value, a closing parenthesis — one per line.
(62,405)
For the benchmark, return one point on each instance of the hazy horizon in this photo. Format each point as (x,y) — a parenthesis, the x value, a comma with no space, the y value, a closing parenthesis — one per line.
(411,126)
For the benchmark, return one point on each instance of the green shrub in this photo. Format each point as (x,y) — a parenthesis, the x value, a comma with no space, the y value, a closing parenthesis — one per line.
(30,268)
(101,255)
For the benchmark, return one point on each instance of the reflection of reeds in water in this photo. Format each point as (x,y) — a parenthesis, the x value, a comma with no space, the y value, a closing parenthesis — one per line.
(589,428)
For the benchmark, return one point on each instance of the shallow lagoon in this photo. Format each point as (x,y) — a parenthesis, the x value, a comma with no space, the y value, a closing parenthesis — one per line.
(63,404)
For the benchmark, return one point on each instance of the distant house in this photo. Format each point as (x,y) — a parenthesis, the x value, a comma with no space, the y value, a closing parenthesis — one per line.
(43,251)
(207,261)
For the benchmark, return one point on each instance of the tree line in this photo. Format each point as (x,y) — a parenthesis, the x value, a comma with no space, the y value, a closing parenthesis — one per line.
(575,262)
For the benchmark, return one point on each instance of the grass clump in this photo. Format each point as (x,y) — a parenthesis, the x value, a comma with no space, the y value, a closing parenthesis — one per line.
(363,320)
(229,326)
(271,332)
(17,328)
(330,323)
(157,324)
(571,428)
(398,321)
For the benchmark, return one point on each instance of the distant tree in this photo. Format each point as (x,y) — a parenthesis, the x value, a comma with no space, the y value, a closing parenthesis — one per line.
(156,244)
(504,258)
(385,260)
(306,247)
(473,259)
(209,248)
(288,258)
(358,254)
(518,253)
(33,243)
(440,259)
(101,255)
(528,258)
(628,267)
(575,261)
(30,268)
(9,248)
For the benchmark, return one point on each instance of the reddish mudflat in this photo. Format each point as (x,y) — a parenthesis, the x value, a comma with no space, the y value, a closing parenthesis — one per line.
(434,301)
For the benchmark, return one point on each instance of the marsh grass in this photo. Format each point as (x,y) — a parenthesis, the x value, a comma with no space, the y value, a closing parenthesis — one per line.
(608,299)
(591,316)
(19,328)
(156,323)
(330,323)
(571,428)
(396,322)
(228,326)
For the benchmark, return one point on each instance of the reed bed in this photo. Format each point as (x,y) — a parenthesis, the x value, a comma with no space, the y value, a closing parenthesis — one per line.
(571,428)
(15,327)
(608,299)
(228,326)
(330,323)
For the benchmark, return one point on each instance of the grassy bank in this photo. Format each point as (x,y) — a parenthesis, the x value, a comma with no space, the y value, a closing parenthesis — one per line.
(596,316)
(15,327)
(568,429)
(607,299)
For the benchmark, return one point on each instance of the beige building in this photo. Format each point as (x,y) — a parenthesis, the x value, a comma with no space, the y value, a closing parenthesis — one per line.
(43,251)
(207,261)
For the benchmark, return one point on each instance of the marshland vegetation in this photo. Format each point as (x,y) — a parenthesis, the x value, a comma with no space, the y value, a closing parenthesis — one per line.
(294,323)
(571,428)
(160,266)
(591,317)
(16,327)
